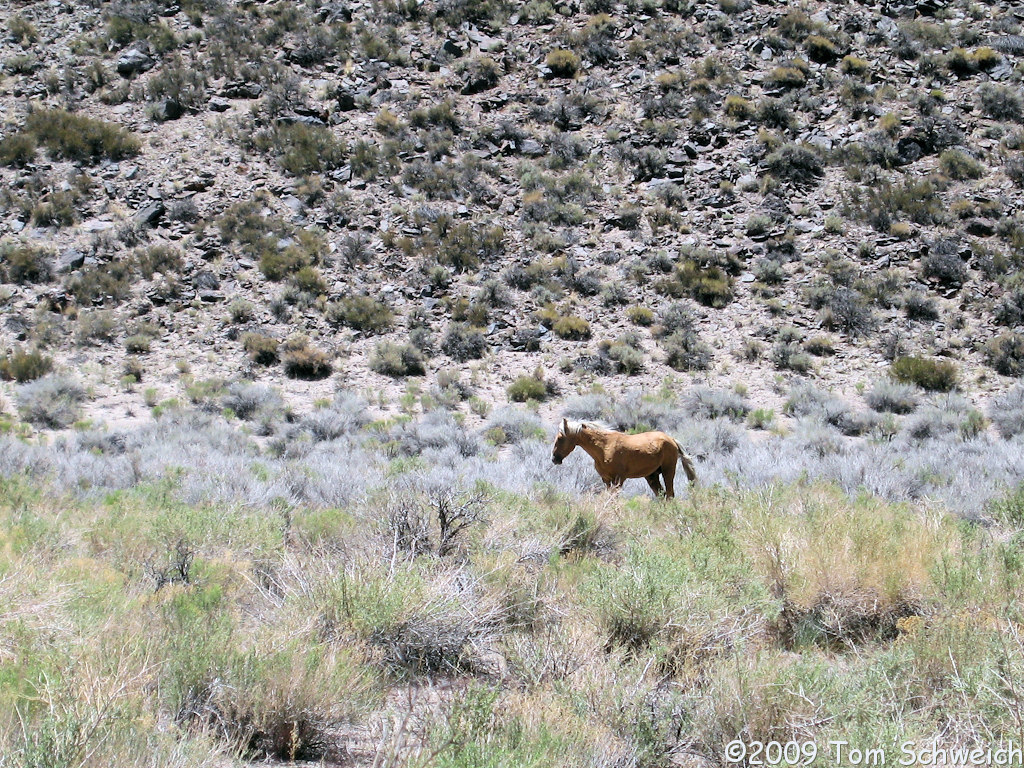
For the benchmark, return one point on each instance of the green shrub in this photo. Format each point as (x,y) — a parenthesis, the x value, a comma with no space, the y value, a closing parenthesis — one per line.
(707,284)
(796,163)
(462,342)
(959,165)
(301,361)
(397,360)
(640,315)
(262,349)
(278,264)
(76,137)
(572,328)
(362,313)
(309,280)
(927,373)
(102,283)
(527,388)
(1005,353)
(963,62)
(627,354)
(24,264)
(883,203)
(53,401)
(440,115)
(738,108)
(1001,102)
(303,149)
(164,259)
(820,49)
(787,77)
(96,325)
(684,351)
(24,365)
(57,210)
(17,150)
(562,63)
(854,65)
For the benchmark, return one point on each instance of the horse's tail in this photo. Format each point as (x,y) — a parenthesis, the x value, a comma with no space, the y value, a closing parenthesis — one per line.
(684,457)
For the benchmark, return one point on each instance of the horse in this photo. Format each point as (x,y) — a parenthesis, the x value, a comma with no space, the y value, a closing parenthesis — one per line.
(618,456)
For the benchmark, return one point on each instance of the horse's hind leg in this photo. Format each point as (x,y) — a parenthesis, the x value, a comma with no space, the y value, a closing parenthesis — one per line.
(669,473)
(654,482)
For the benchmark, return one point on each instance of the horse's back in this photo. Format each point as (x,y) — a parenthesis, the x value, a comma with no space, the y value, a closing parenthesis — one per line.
(649,443)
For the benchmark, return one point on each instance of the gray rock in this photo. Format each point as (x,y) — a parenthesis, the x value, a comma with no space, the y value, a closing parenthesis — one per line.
(981,227)
(205,280)
(169,109)
(151,214)
(133,61)
(218,104)
(531,147)
(70,259)
(238,89)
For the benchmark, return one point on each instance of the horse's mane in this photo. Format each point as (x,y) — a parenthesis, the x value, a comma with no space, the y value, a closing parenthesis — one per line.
(576,426)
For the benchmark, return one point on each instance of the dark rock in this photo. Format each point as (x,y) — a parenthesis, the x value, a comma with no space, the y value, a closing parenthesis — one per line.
(218,104)
(205,280)
(1009,44)
(908,151)
(346,101)
(304,119)
(453,49)
(238,89)
(334,13)
(151,214)
(210,296)
(133,61)
(69,260)
(169,109)
(531,147)
(981,227)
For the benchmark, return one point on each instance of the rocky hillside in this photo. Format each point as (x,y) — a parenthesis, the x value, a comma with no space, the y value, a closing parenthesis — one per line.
(469,202)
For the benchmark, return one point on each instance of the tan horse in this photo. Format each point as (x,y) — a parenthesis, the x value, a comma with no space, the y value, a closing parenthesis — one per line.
(618,456)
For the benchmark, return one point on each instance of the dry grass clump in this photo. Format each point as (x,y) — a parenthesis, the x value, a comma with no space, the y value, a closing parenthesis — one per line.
(303,361)
(77,137)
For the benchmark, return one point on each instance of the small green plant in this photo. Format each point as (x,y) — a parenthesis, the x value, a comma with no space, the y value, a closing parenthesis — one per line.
(572,328)
(262,349)
(397,360)
(17,150)
(639,315)
(303,361)
(76,137)
(854,65)
(24,263)
(959,165)
(24,365)
(463,342)
(562,63)
(1006,353)
(820,49)
(760,418)
(527,388)
(927,373)
(738,108)
(362,313)
(303,149)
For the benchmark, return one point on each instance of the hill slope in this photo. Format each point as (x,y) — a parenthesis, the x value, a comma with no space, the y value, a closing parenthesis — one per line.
(734,193)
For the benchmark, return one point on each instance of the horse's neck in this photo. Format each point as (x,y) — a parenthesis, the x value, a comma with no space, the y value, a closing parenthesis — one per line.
(593,442)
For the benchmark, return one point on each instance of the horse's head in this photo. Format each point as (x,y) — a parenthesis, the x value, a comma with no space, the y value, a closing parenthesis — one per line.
(565,441)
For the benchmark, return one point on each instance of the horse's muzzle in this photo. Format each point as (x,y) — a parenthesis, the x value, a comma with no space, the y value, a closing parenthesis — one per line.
(556,459)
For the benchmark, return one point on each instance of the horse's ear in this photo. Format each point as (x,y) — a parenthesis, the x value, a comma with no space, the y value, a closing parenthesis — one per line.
(565,426)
